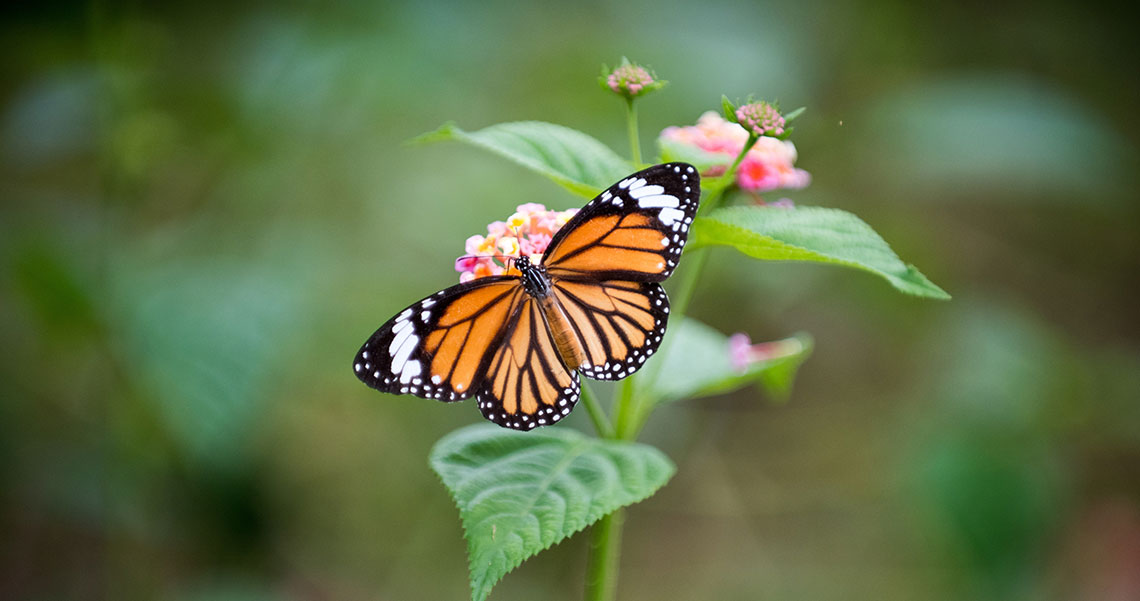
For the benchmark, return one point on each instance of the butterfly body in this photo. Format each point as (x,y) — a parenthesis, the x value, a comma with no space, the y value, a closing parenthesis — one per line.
(538,285)
(592,305)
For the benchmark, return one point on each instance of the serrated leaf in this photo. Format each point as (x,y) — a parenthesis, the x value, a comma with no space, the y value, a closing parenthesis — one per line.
(810,234)
(518,493)
(696,361)
(574,160)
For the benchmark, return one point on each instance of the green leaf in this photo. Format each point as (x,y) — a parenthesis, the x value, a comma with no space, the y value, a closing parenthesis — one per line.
(518,493)
(696,361)
(810,234)
(728,108)
(791,116)
(574,160)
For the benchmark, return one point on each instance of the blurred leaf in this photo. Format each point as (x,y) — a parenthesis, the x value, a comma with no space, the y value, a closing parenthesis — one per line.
(1000,500)
(571,158)
(696,361)
(55,291)
(519,493)
(202,336)
(810,234)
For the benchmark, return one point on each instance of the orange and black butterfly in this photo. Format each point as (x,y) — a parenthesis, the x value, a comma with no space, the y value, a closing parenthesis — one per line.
(516,343)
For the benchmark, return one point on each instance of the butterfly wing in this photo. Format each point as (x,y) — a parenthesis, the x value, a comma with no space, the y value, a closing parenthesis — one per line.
(633,231)
(439,347)
(485,338)
(526,383)
(620,323)
(604,265)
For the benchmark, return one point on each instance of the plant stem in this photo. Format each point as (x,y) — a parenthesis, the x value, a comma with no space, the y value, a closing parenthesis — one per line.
(634,138)
(630,422)
(602,423)
(626,408)
(696,262)
(629,413)
(605,549)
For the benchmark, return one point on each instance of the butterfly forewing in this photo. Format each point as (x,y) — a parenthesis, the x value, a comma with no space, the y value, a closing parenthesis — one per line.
(635,230)
(438,348)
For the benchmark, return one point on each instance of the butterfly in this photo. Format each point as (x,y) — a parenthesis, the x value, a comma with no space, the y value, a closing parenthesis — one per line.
(592,305)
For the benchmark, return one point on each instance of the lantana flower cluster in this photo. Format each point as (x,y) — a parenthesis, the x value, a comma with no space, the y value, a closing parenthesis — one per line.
(769,165)
(527,232)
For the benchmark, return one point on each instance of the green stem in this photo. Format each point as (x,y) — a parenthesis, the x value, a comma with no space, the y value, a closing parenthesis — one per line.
(634,138)
(602,423)
(605,548)
(629,413)
(626,408)
(695,265)
(634,417)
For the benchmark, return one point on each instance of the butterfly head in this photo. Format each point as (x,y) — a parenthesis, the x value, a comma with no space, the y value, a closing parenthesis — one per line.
(534,278)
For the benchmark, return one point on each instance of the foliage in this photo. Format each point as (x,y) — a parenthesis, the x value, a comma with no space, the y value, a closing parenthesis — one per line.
(520,493)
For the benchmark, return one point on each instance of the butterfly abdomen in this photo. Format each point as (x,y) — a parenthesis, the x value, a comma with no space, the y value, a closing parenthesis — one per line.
(562,331)
(537,284)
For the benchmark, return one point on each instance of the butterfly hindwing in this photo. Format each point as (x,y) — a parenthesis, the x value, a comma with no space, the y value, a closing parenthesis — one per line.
(635,230)
(438,348)
(526,383)
(622,323)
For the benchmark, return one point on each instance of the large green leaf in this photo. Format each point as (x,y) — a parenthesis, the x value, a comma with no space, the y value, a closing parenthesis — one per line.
(696,361)
(519,493)
(810,234)
(574,160)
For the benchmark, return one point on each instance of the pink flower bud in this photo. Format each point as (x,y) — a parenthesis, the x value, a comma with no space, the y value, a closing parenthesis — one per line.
(630,80)
(761,119)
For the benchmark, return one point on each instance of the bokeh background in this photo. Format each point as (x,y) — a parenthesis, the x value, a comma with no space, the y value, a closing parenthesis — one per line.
(207,207)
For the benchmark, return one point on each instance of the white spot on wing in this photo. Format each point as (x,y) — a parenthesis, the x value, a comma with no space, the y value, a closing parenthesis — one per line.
(669,215)
(411,370)
(645,191)
(660,200)
(402,346)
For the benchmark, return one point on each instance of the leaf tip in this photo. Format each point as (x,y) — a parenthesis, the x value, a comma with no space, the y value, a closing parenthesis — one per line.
(441,133)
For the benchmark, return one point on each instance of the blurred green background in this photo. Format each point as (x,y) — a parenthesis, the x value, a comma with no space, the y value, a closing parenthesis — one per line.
(208,207)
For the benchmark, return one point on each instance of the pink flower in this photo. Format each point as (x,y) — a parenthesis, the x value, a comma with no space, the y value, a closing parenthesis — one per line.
(769,164)
(743,354)
(528,231)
